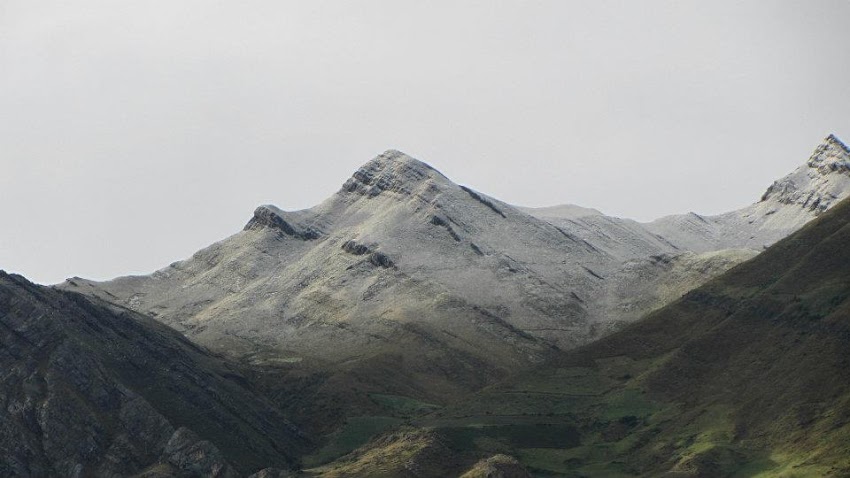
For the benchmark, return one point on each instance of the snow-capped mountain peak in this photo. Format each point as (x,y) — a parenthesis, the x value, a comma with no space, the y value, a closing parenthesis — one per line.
(818,184)
(789,203)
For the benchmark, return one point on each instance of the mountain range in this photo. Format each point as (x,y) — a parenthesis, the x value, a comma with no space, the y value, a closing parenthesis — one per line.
(747,375)
(448,285)
(405,298)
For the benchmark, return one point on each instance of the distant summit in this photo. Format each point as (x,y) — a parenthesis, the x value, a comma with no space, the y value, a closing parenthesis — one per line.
(820,183)
(832,155)
(391,171)
(832,138)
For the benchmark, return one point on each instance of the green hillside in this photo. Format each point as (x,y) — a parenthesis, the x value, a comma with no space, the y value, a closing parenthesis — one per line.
(747,376)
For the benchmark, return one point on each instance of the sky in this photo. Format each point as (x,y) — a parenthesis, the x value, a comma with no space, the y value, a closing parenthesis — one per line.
(134,133)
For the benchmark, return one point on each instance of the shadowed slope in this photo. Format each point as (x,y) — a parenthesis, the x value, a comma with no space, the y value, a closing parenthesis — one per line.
(93,390)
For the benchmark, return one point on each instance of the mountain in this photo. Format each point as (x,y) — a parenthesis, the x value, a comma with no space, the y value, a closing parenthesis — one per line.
(748,375)
(400,266)
(787,204)
(400,238)
(700,247)
(89,389)
(406,288)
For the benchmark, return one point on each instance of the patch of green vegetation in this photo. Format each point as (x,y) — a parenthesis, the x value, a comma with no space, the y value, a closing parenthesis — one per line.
(822,301)
(757,468)
(402,406)
(576,381)
(711,428)
(551,460)
(779,464)
(522,435)
(822,449)
(576,462)
(627,402)
(630,442)
(353,434)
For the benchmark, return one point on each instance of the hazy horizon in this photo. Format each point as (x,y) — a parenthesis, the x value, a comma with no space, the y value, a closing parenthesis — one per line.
(136,134)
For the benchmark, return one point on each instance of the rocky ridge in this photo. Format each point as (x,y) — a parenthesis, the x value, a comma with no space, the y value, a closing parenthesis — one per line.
(91,390)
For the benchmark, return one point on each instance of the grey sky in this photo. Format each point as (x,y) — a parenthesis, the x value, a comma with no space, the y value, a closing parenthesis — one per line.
(134,133)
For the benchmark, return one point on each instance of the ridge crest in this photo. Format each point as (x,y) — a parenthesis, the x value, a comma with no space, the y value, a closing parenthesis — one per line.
(391,171)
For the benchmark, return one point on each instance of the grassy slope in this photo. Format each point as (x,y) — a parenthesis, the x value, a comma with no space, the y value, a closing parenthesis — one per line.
(748,375)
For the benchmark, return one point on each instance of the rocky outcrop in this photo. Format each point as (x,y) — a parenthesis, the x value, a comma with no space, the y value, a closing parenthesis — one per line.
(375,258)
(353,247)
(403,453)
(832,155)
(392,171)
(267,217)
(439,221)
(187,452)
(820,183)
(272,473)
(381,260)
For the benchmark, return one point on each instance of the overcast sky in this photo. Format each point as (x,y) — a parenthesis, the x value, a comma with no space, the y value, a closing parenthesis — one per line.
(134,133)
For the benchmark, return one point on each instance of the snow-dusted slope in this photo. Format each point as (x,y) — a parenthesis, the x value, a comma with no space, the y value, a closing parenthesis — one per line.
(563,211)
(786,206)
(662,259)
(404,267)
(400,262)
(622,239)
(646,284)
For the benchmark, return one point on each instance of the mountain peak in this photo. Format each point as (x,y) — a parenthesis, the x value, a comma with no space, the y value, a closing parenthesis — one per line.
(818,184)
(834,140)
(831,155)
(391,171)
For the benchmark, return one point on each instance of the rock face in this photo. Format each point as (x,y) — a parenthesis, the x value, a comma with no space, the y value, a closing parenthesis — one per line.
(187,452)
(402,269)
(91,390)
(266,217)
(817,185)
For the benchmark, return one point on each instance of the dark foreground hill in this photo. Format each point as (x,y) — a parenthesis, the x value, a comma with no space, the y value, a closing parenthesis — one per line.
(89,389)
(748,375)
